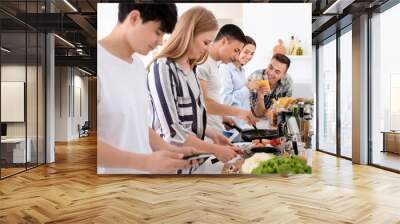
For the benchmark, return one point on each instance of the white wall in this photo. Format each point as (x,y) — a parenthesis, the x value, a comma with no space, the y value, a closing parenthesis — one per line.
(62,80)
(224,12)
(68,82)
(107,18)
(80,83)
(12,73)
(33,127)
(267,23)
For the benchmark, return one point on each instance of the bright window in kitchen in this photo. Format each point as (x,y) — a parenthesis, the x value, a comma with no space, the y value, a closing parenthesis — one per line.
(346,94)
(327,96)
(385,88)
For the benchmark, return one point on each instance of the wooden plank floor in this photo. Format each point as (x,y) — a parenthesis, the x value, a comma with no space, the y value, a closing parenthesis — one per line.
(69,191)
(10,171)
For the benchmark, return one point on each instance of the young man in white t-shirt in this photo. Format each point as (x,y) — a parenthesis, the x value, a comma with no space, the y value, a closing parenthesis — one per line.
(225,48)
(126,144)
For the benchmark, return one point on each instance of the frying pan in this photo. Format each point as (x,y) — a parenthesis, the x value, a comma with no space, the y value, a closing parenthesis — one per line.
(250,135)
(248,153)
(265,149)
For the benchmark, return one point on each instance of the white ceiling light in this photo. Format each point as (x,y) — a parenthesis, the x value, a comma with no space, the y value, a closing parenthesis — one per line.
(65,41)
(338,6)
(70,5)
(5,50)
(86,72)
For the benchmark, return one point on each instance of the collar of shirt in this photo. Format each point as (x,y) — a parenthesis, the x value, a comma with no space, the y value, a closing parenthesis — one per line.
(178,66)
(213,61)
(233,67)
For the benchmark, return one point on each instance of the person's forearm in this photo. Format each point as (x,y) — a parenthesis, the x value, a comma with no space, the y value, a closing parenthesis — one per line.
(210,132)
(200,145)
(259,109)
(110,156)
(220,109)
(156,142)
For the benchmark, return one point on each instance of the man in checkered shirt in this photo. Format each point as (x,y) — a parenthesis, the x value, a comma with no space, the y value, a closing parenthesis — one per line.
(261,98)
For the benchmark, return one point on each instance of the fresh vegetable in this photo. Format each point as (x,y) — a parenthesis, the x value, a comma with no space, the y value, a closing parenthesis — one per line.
(275,142)
(265,142)
(254,161)
(283,165)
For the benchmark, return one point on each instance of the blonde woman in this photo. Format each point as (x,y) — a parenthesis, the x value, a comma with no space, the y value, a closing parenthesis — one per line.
(178,112)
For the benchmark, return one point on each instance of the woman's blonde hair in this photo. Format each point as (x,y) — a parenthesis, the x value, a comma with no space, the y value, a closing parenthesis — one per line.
(193,22)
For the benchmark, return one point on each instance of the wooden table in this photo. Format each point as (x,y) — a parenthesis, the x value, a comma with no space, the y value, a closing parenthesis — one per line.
(13,150)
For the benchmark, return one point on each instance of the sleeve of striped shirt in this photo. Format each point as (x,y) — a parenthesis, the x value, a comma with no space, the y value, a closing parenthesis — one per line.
(162,84)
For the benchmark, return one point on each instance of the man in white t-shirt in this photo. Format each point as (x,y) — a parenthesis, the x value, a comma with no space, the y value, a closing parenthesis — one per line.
(126,144)
(226,46)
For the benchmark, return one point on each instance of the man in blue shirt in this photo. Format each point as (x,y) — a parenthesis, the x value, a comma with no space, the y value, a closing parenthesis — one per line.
(236,89)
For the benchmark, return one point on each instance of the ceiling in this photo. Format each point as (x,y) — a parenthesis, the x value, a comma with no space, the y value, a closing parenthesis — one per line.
(77,23)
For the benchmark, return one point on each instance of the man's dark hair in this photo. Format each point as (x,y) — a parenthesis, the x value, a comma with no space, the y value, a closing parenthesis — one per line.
(231,31)
(251,41)
(166,14)
(282,59)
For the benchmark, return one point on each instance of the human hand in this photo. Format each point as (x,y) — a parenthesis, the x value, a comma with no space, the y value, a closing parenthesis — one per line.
(253,85)
(247,116)
(230,121)
(166,161)
(187,151)
(262,91)
(220,139)
(225,153)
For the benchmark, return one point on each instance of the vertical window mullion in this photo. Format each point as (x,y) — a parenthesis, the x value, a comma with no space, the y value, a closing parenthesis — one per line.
(317,97)
(26,86)
(338,97)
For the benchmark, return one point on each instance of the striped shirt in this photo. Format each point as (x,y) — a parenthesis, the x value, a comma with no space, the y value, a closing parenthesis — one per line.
(177,105)
(282,89)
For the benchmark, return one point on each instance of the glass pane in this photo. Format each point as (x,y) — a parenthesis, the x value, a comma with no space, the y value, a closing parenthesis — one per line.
(346,94)
(386,89)
(327,97)
(31,101)
(17,8)
(41,99)
(13,87)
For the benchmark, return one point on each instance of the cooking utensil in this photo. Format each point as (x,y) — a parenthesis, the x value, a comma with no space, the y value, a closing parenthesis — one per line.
(255,128)
(249,135)
(265,149)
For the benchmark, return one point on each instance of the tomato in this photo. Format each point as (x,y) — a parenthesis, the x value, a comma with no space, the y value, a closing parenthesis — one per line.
(275,142)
